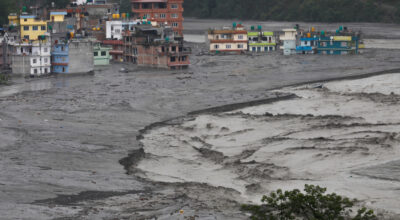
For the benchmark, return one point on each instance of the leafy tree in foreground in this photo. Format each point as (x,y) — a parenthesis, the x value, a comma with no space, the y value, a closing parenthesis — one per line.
(314,204)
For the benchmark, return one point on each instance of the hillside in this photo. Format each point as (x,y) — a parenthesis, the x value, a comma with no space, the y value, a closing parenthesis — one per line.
(297,10)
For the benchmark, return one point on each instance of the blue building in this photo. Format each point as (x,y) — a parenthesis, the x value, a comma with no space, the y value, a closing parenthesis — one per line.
(60,58)
(338,45)
(74,56)
(308,45)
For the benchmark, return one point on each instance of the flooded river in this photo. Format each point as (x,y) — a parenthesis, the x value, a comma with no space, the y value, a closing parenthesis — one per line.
(71,146)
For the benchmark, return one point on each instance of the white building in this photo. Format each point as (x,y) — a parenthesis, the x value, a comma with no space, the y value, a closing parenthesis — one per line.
(289,39)
(115,28)
(32,58)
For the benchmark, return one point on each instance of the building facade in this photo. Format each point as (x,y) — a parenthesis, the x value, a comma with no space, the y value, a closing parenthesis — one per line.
(32,59)
(228,40)
(74,56)
(168,12)
(289,39)
(261,41)
(338,45)
(308,45)
(32,28)
(156,47)
(101,55)
(117,51)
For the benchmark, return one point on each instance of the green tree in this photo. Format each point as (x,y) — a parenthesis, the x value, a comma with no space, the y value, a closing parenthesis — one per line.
(314,204)
(125,6)
(6,6)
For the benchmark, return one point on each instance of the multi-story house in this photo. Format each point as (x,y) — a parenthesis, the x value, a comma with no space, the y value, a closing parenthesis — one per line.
(115,28)
(73,56)
(32,59)
(261,41)
(117,51)
(228,40)
(308,44)
(338,45)
(101,55)
(168,12)
(289,39)
(156,47)
(32,28)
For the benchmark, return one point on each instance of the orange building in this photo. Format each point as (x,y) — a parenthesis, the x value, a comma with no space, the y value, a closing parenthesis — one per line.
(162,11)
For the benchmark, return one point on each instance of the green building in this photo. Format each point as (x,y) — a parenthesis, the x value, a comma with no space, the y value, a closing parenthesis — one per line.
(261,41)
(101,55)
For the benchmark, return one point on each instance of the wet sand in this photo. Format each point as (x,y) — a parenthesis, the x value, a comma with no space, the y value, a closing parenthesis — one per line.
(67,143)
(343,136)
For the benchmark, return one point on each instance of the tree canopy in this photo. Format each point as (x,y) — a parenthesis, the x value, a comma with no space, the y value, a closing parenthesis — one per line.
(297,10)
(314,204)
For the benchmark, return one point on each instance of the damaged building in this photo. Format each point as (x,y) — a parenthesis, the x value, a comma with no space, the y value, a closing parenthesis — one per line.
(155,47)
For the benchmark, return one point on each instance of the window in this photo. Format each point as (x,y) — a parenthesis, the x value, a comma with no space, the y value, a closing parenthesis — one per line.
(228,46)
(135,51)
(103,53)
(112,28)
(174,6)
(45,50)
(175,24)
(344,44)
(35,71)
(184,58)
(46,70)
(216,46)
(96,54)
(173,59)
(240,37)
(26,28)
(109,11)
(162,15)
(174,15)
(26,37)
(62,48)
(155,15)
(240,46)
(35,28)
(271,48)
(34,61)
(306,43)
(46,60)
(63,69)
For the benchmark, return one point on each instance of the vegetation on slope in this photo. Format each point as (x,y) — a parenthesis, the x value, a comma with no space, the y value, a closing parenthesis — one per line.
(314,204)
(297,10)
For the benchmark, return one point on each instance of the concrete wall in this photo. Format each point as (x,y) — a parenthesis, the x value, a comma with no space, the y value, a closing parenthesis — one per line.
(80,57)
(21,64)
(148,56)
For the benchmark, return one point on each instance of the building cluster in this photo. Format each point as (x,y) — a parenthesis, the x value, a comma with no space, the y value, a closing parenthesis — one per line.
(79,37)
(237,39)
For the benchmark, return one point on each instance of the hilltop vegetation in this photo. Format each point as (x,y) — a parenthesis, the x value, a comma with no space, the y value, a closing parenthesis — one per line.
(297,10)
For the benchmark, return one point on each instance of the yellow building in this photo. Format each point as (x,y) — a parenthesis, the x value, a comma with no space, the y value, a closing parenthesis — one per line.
(57,16)
(13,19)
(32,28)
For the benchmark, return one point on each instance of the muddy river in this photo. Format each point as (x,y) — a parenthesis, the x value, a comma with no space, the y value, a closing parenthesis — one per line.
(111,145)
